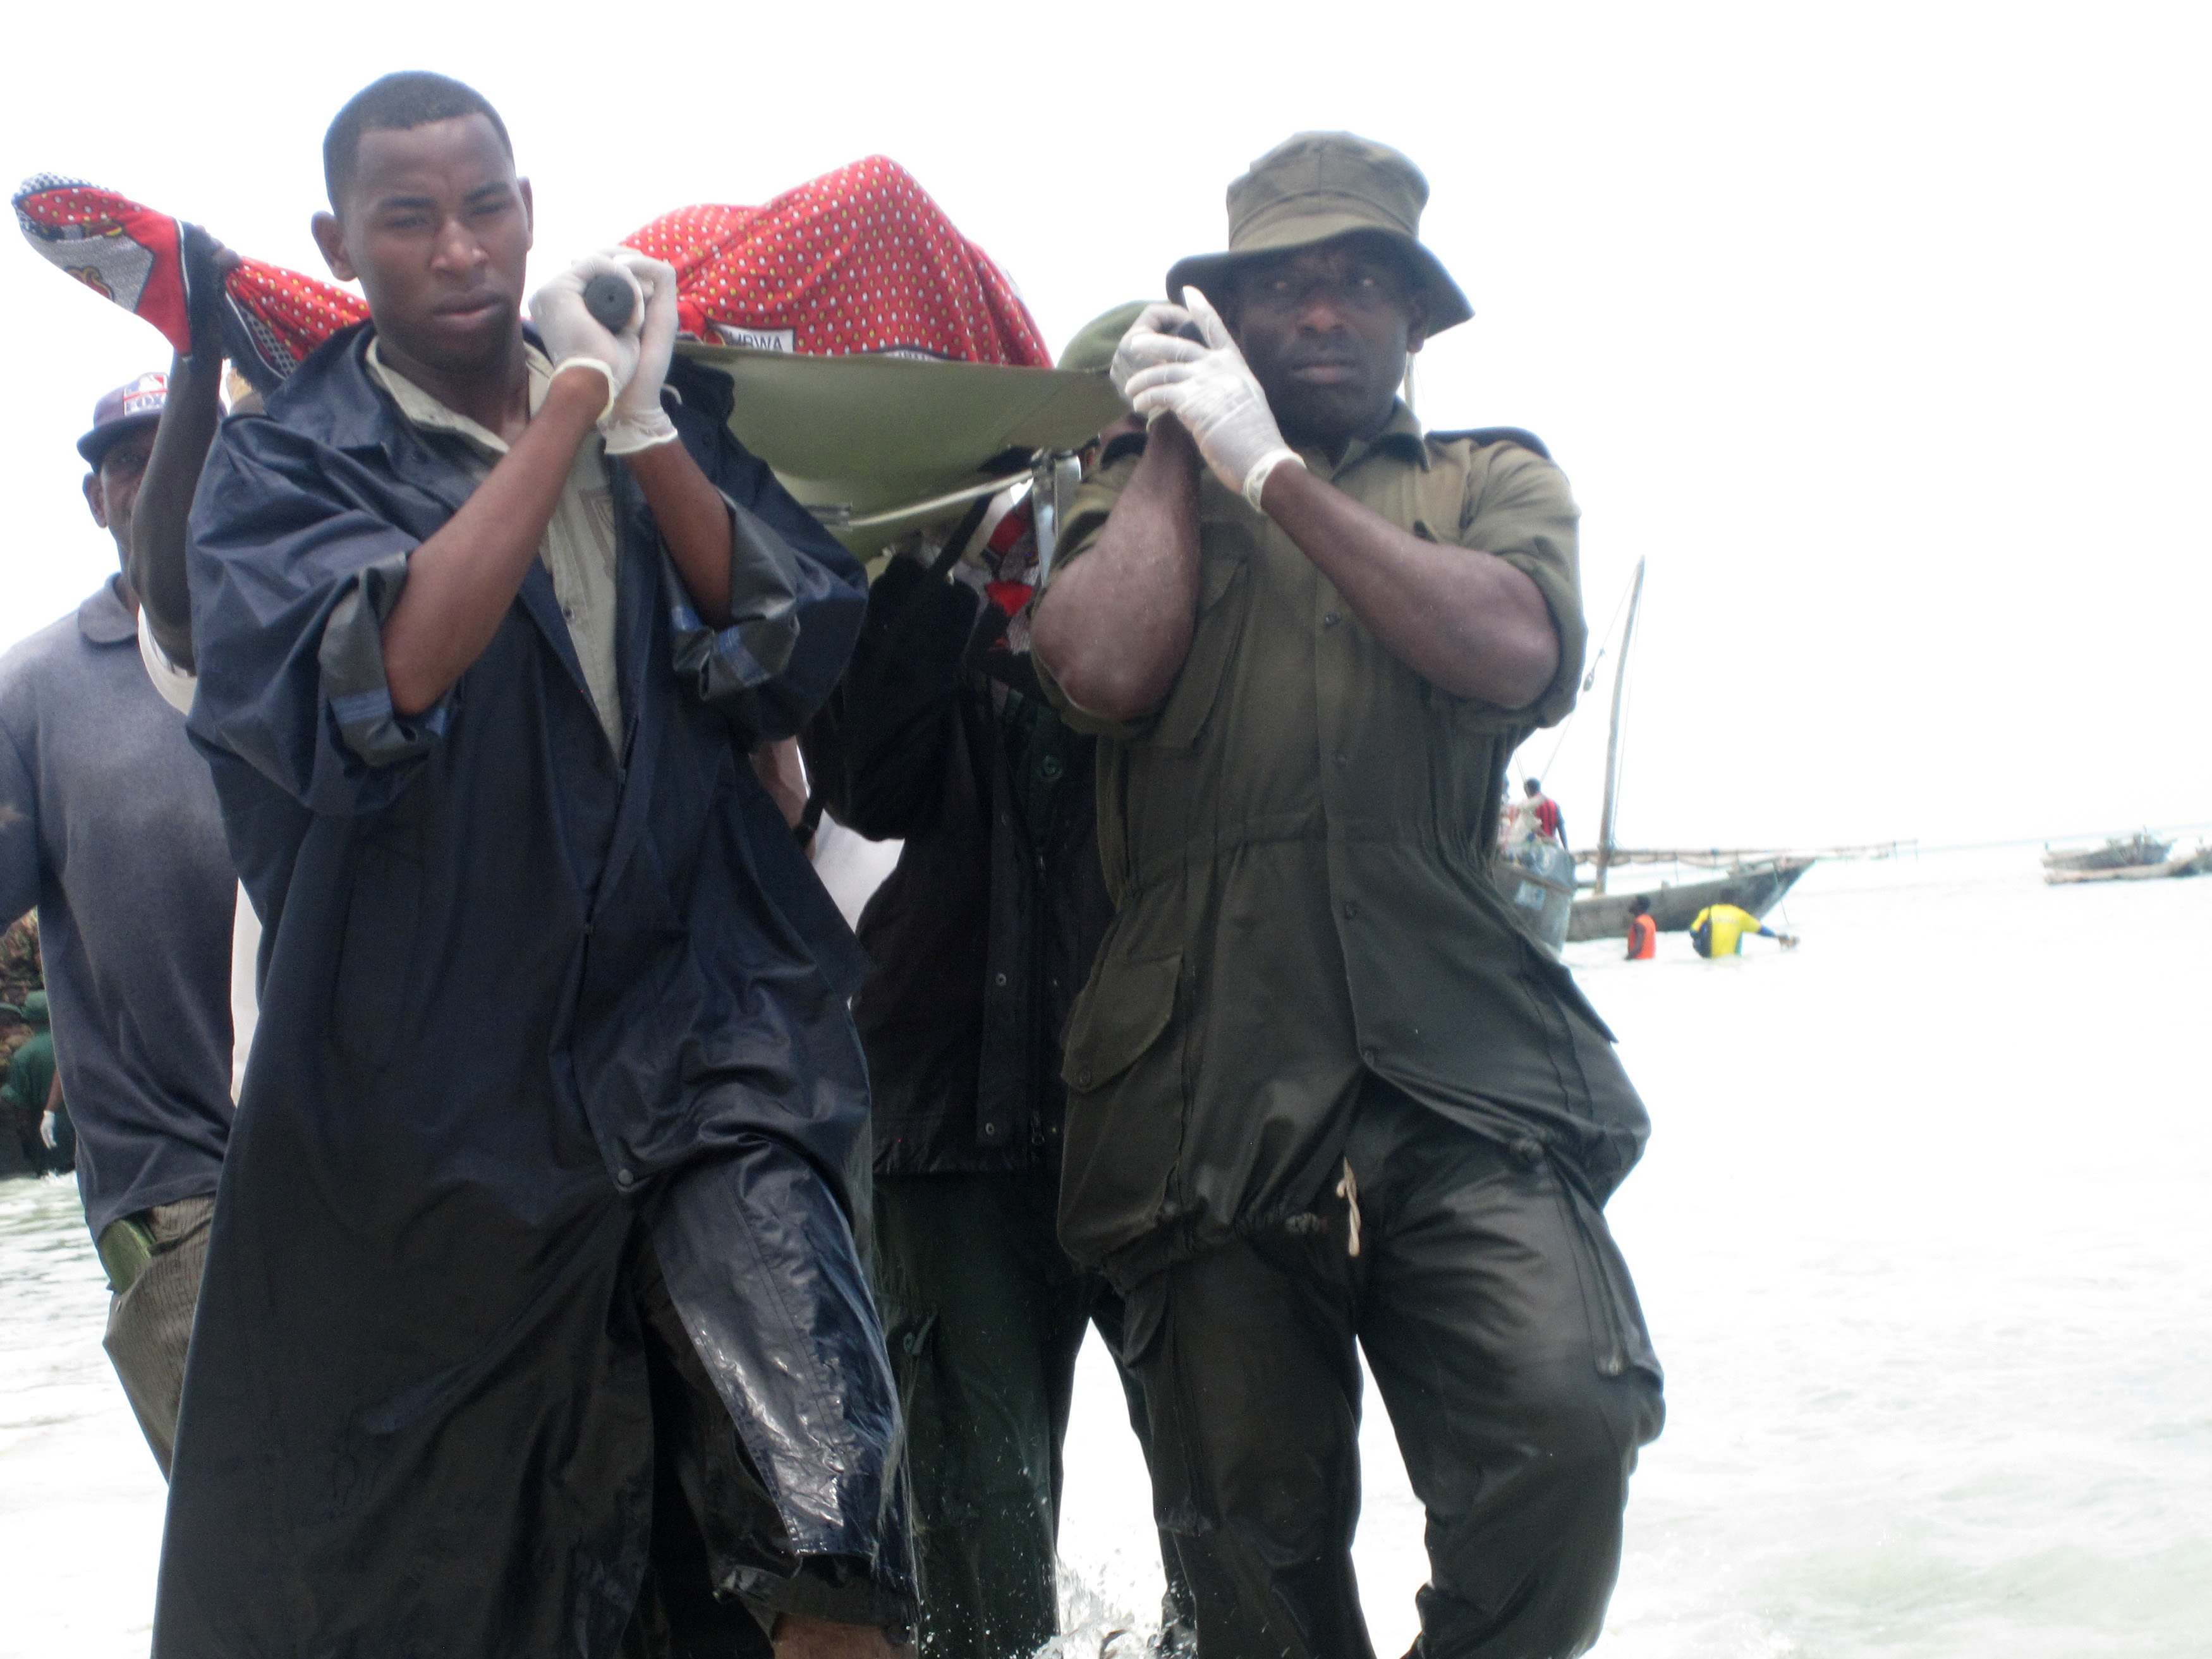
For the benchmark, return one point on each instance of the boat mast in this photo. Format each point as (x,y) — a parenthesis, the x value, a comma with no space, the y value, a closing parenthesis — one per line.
(1612,733)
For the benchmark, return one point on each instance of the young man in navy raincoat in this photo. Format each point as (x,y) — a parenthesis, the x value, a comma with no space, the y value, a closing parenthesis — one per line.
(533,1322)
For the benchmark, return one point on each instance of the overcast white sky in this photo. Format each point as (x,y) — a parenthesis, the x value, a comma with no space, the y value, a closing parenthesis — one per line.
(1881,331)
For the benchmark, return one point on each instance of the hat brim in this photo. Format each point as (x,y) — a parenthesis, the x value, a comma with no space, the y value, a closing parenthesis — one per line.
(1208,272)
(101,439)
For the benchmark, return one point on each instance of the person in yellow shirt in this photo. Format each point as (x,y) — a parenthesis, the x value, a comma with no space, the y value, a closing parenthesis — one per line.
(1718,930)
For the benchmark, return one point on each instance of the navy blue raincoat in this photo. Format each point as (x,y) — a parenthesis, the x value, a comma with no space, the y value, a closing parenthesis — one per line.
(524,999)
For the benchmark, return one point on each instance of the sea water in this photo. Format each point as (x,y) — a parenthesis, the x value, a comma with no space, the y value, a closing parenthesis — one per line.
(1925,1235)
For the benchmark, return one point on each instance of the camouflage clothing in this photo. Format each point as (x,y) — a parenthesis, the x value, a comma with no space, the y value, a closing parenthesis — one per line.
(20,974)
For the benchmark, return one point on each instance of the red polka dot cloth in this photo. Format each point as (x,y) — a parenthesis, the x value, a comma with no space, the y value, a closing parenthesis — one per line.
(861,259)
(150,263)
(858,260)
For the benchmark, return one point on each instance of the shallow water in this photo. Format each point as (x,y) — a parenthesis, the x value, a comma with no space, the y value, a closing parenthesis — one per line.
(1923,1235)
(1924,1239)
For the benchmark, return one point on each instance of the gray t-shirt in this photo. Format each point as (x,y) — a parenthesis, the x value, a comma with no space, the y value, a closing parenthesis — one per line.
(108,824)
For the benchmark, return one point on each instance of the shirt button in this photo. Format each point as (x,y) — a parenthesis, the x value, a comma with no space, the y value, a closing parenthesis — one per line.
(625,1178)
(1369,1055)
(1343,759)
(570,611)
(1000,979)
(1610,1365)
(1049,766)
(1083,1079)
(990,1131)
(1529,1152)
(1350,910)
(1330,619)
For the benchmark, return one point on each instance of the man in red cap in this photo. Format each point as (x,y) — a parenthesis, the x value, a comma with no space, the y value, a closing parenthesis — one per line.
(1325,1095)
(109,826)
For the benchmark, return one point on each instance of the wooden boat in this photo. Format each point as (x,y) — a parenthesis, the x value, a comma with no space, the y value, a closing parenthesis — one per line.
(2138,851)
(1756,888)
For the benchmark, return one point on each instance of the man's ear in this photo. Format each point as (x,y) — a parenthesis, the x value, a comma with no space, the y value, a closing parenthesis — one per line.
(330,236)
(96,499)
(529,212)
(1416,322)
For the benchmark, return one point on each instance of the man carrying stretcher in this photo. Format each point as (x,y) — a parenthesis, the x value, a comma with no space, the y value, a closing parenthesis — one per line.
(533,1322)
(1325,1096)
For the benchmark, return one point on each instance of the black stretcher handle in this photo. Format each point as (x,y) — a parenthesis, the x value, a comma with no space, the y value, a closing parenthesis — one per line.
(610,300)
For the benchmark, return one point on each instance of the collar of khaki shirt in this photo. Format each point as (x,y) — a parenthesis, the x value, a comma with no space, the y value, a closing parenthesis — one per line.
(424,410)
(1401,435)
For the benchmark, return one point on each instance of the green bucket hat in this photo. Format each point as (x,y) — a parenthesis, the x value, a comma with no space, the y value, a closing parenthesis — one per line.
(1092,350)
(34,1010)
(1314,187)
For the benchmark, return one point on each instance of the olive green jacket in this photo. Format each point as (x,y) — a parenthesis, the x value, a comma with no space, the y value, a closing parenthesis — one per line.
(1299,841)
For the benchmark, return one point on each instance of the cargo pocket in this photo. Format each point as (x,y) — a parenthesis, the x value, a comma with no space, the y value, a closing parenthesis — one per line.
(1214,638)
(1125,1105)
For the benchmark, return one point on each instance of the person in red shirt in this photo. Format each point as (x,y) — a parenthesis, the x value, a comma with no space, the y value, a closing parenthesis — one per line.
(1550,824)
(1535,817)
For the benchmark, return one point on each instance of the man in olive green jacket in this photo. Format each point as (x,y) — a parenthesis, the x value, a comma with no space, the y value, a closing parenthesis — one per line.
(1324,1094)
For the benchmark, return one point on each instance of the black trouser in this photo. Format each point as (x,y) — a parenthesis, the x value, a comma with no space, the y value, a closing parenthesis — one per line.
(715,1528)
(1479,1296)
(985,1316)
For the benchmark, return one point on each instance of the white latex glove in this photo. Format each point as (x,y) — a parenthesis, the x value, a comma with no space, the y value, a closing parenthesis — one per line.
(48,1133)
(573,336)
(1152,340)
(1219,403)
(637,421)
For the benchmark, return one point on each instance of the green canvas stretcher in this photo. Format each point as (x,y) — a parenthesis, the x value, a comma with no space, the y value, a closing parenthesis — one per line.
(879,446)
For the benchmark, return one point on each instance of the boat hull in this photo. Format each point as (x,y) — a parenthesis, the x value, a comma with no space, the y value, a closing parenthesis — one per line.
(2189,864)
(2125,853)
(1673,908)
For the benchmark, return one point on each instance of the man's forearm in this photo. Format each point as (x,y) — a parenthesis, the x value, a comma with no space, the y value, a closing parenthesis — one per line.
(1116,625)
(158,524)
(1465,621)
(694,521)
(461,580)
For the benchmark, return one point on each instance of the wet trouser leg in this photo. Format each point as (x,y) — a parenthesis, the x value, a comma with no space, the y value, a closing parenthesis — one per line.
(150,1317)
(985,1316)
(1481,1298)
(762,1266)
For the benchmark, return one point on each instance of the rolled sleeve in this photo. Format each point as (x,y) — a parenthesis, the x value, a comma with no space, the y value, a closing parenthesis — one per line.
(797,598)
(1086,517)
(351,654)
(1520,509)
(293,577)
(718,664)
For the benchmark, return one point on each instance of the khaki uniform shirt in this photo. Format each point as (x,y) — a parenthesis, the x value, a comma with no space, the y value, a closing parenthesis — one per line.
(1299,842)
(579,550)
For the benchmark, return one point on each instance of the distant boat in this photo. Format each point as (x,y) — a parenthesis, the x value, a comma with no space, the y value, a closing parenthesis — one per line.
(2134,852)
(2198,863)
